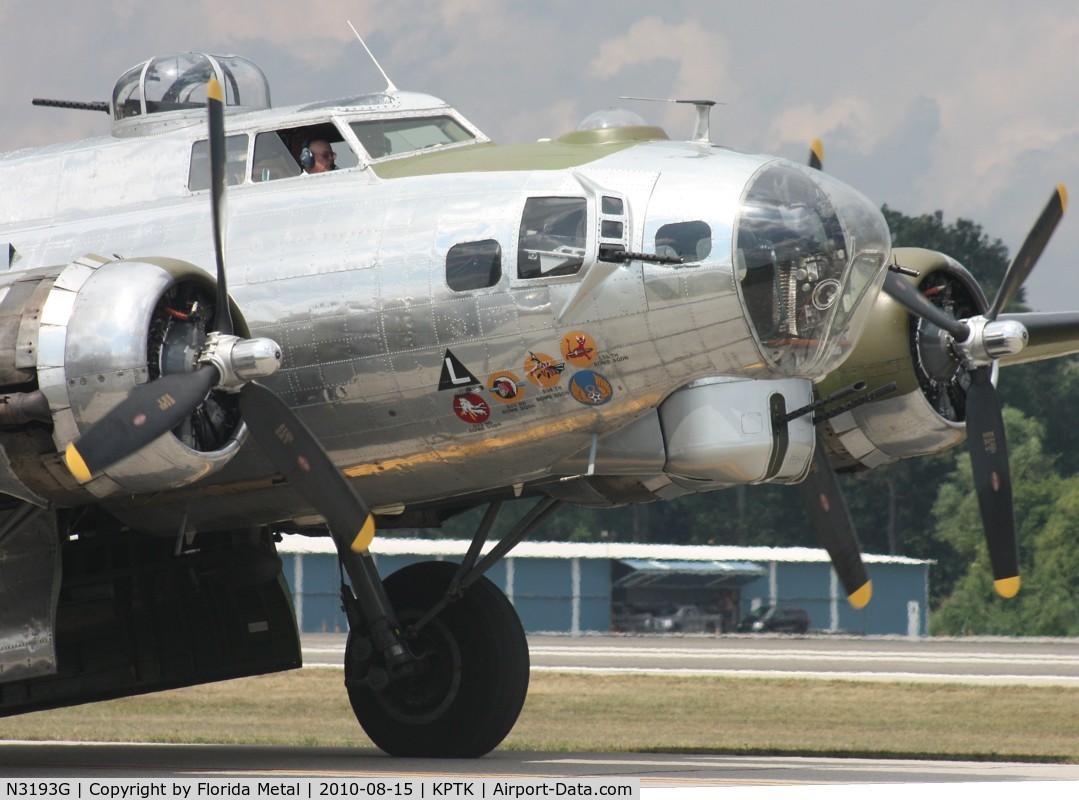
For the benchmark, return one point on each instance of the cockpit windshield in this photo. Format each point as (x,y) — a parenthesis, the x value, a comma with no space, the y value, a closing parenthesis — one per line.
(807,248)
(391,137)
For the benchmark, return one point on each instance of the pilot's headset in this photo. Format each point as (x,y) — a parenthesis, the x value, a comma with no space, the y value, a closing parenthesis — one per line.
(307,158)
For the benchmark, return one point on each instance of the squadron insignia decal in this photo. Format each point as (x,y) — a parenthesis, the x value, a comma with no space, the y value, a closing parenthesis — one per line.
(506,387)
(542,370)
(471,408)
(579,349)
(590,388)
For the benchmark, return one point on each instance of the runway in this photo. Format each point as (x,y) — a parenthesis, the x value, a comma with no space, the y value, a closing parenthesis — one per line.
(655,770)
(1031,662)
(994,661)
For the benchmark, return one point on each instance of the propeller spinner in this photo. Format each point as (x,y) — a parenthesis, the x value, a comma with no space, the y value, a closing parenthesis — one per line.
(975,343)
(228,363)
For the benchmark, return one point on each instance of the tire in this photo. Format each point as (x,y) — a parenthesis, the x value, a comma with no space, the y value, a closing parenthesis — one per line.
(472,675)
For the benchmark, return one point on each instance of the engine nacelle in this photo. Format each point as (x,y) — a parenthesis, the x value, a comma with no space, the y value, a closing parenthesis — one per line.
(104,327)
(927,411)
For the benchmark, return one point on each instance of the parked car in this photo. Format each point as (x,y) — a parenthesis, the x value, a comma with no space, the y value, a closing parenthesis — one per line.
(775,619)
(687,619)
(626,619)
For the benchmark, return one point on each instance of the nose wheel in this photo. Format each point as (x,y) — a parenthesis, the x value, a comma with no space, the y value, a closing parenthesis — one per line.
(462,693)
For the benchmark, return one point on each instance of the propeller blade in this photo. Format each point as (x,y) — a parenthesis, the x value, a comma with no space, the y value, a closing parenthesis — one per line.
(297,454)
(215,108)
(816,155)
(1030,251)
(830,518)
(148,411)
(992,480)
(904,293)
(1052,334)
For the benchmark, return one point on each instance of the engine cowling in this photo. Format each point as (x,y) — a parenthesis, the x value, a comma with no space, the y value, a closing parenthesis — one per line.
(105,326)
(927,411)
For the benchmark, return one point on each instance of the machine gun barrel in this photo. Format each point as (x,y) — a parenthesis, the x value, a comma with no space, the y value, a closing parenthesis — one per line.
(836,395)
(880,391)
(80,105)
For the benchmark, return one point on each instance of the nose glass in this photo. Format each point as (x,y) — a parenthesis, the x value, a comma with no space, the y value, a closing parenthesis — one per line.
(808,251)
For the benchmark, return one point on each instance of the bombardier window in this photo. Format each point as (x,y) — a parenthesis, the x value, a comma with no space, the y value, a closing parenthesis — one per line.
(690,240)
(391,137)
(198,176)
(474,265)
(552,239)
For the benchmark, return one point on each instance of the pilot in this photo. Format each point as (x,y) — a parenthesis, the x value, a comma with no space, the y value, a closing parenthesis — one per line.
(322,157)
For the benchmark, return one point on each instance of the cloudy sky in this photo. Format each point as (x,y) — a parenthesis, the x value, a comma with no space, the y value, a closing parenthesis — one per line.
(970,108)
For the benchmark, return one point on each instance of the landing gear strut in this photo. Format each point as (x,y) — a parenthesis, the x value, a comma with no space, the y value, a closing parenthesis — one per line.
(464,690)
(436,663)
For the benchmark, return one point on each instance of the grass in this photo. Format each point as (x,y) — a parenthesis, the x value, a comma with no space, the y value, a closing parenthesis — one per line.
(625,713)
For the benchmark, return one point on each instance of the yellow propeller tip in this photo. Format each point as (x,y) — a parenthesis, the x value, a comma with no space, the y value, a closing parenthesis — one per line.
(1062,190)
(1007,587)
(860,598)
(365,536)
(818,149)
(76,464)
(213,91)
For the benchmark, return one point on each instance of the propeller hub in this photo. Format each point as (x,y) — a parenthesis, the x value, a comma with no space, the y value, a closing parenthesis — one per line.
(991,339)
(1004,338)
(240,360)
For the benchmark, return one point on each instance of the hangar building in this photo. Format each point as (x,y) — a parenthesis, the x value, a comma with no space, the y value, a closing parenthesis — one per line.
(580,587)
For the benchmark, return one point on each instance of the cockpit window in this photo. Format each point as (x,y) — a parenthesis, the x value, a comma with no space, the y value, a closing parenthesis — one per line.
(391,137)
(289,152)
(198,176)
(272,159)
(552,239)
(691,241)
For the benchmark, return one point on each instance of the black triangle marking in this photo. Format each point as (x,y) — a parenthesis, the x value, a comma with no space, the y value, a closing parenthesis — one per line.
(455,375)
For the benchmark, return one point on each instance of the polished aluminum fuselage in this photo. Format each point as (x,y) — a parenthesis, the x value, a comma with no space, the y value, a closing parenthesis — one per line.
(347,271)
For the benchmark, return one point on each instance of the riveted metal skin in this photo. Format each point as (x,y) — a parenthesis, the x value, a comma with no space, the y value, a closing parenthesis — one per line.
(347,272)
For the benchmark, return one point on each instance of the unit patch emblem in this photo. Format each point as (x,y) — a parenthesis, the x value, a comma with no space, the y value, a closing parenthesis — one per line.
(542,370)
(506,387)
(579,349)
(471,408)
(590,388)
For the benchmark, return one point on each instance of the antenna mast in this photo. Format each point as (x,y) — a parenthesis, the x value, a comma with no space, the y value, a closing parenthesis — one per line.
(389,84)
(701,132)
